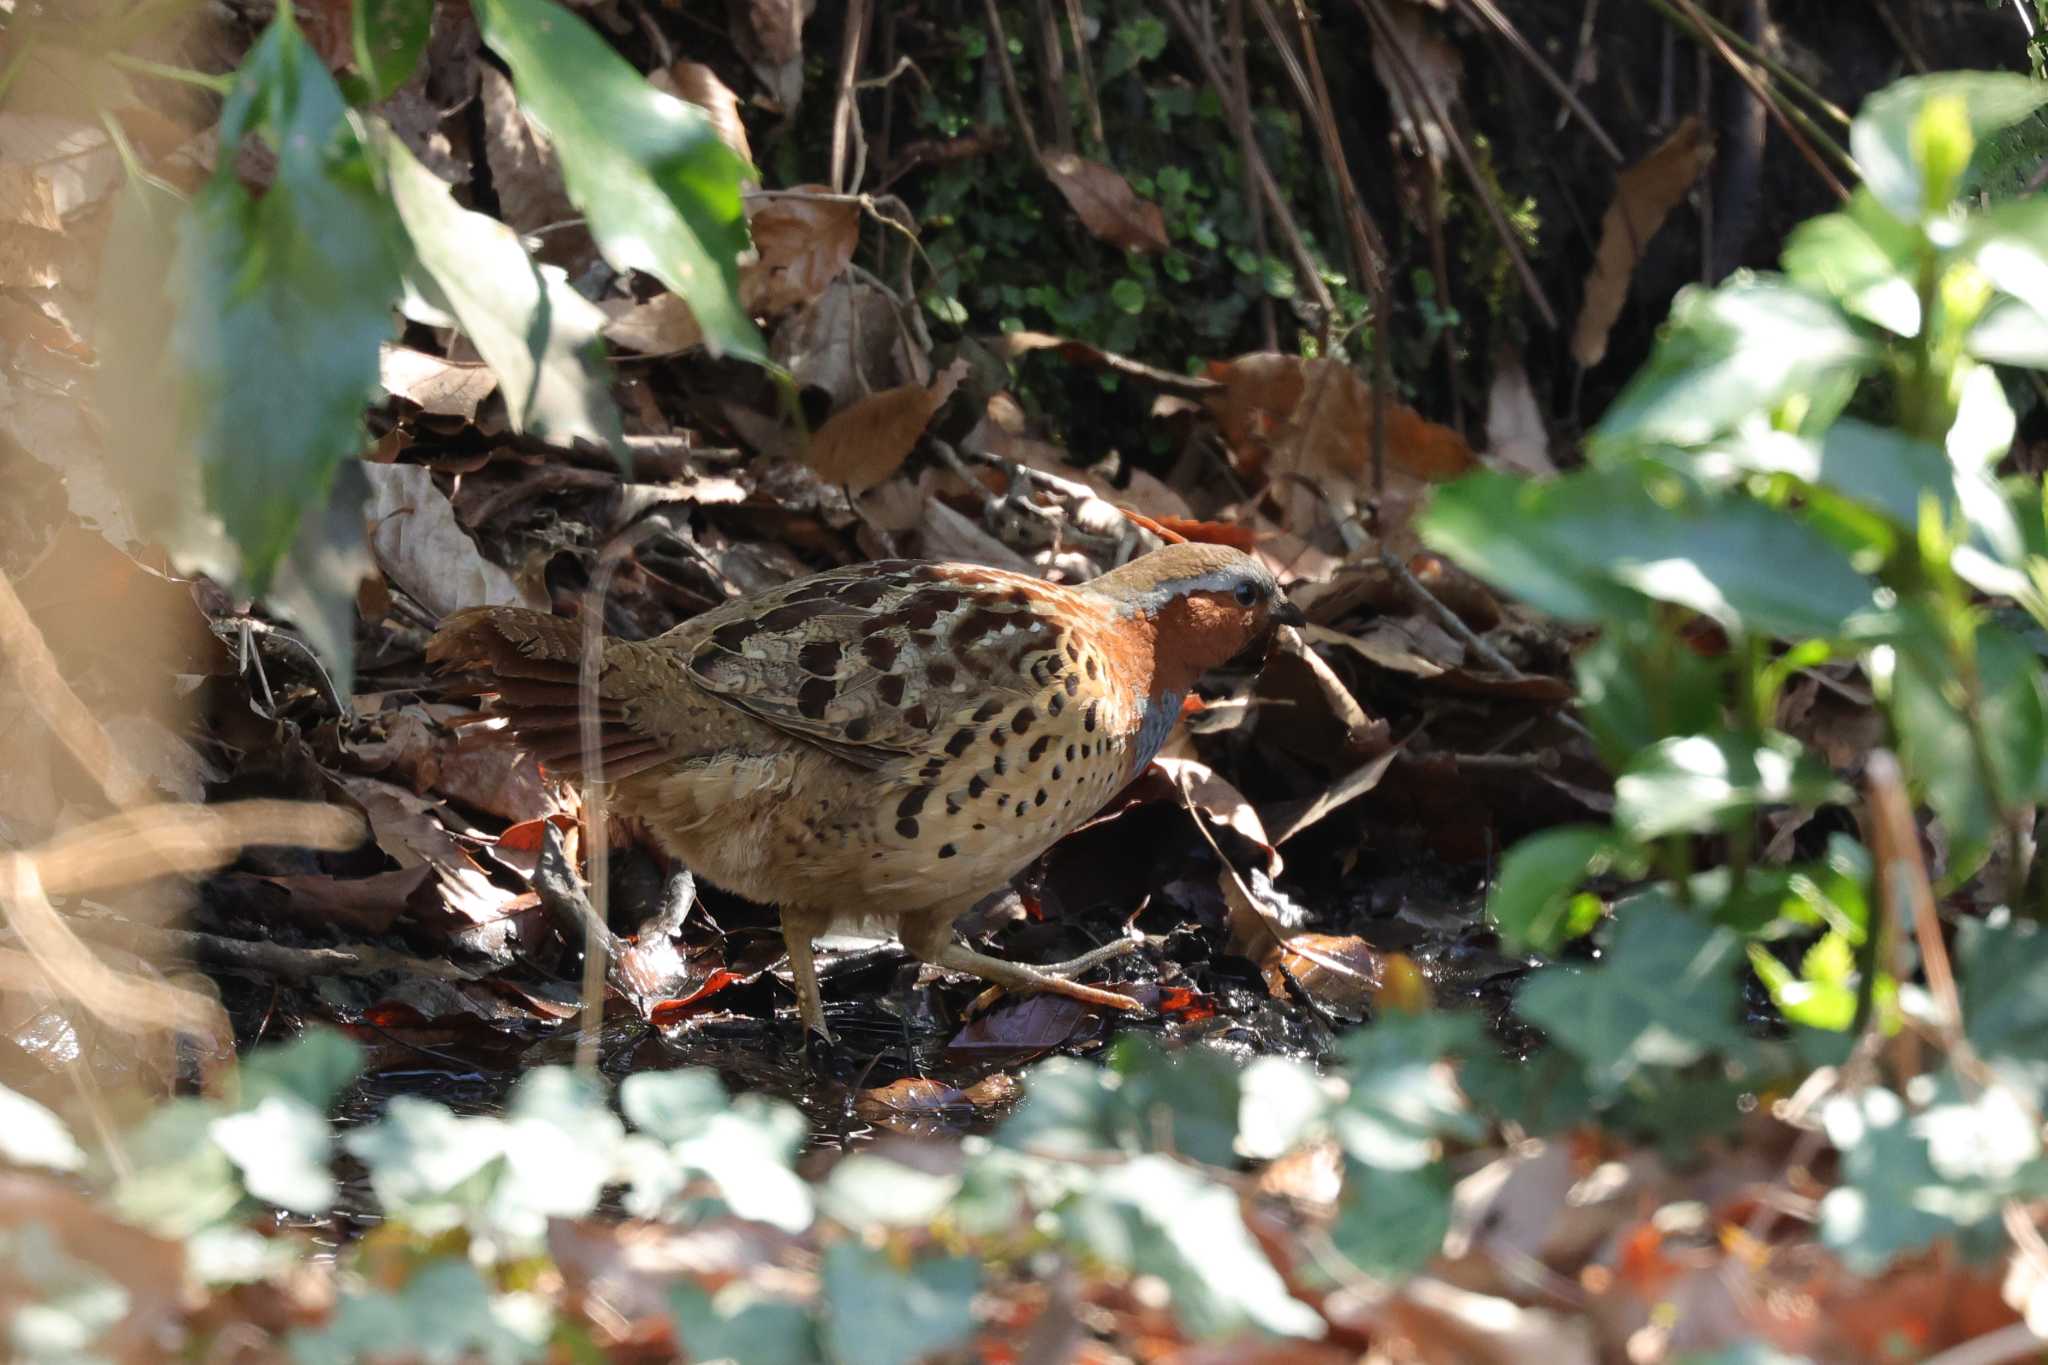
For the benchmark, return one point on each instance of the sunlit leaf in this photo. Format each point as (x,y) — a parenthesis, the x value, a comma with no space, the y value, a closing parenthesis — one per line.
(282,1146)
(876,1314)
(1531,899)
(1391,1223)
(1881,139)
(660,187)
(31,1135)
(1696,784)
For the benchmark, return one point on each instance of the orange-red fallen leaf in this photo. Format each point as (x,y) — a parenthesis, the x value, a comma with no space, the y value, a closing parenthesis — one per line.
(804,244)
(1319,415)
(1642,1265)
(1106,204)
(868,441)
(1644,196)
(1209,532)
(665,1012)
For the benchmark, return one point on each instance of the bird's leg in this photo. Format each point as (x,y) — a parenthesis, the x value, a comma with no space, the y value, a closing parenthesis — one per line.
(929,937)
(1093,958)
(797,932)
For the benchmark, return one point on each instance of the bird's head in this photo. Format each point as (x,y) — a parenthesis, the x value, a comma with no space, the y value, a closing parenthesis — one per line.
(1205,604)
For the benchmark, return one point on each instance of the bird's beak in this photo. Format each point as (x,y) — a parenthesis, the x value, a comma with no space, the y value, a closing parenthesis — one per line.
(1285,613)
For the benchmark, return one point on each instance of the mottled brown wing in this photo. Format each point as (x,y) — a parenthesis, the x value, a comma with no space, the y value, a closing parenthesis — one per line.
(872,662)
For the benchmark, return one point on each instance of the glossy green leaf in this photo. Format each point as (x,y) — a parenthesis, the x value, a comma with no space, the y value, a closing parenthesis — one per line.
(1665,995)
(538,335)
(1157,1216)
(1402,1101)
(389,38)
(741,1325)
(1593,545)
(282,300)
(877,1314)
(1892,1201)
(1882,136)
(1531,902)
(1862,257)
(1731,354)
(1697,784)
(282,1146)
(660,188)
(1939,727)
(1639,683)
(1822,993)
(1881,467)
(1391,1224)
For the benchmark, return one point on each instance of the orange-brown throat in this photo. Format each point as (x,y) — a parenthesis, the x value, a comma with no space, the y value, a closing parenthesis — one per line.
(1195,632)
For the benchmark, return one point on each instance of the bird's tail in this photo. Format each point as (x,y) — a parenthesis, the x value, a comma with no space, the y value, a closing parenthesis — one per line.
(526,665)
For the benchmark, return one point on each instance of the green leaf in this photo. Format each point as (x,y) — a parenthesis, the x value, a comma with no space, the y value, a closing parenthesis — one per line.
(1128,295)
(1880,467)
(672,1104)
(746,1153)
(1531,903)
(1697,784)
(561,1143)
(282,1146)
(445,1313)
(428,1168)
(31,1135)
(661,190)
(2010,333)
(2004,968)
(742,1325)
(538,335)
(311,1069)
(867,1191)
(1402,1099)
(1892,1201)
(876,1314)
(180,1180)
(282,301)
(1639,683)
(1882,137)
(1730,354)
(1068,1110)
(1543,1093)
(1933,716)
(389,38)
(1592,545)
(1283,1101)
(1182,1100)
(1822,994)
(1390,1224)
(1665,996)
(1156,1216)
(1863,257)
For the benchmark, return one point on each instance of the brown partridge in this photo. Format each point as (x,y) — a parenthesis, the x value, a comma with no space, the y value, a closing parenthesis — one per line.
(887,743)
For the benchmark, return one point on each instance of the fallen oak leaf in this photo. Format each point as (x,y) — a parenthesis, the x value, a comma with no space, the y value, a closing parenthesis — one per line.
(866,442)
(1106,204)
(1644,196)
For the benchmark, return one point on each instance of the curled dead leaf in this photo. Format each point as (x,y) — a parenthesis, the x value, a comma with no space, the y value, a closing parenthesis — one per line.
(1106,204)
(1644,196)
(1316,417)
(804,242)
(867,442)
(699,85)
(435,384)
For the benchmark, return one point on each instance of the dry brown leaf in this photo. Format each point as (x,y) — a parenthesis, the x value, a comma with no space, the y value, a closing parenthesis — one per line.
(804,243)
(864,444)
(1424,56)
(433,383)
(422,549)
(699,85)
(1644,196)
(850,342)
(1317,415)
(1106,203)
(661,326)
(770,35)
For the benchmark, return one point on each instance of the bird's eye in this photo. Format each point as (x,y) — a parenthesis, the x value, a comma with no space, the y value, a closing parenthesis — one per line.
(1249,594)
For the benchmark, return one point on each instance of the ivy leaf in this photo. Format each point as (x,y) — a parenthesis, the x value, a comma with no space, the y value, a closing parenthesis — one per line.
(538,335)
(742,1325)
(2005,1008)
(1156,1216)
(1696,784)
(444,1312)
(312,1069)
(282,301)
(879,1315)
(1666,995)
(1532,902)
(1184,1100)
(1402,1096)
(389,37)
(1391,1223)
(282,1146)
(660,187)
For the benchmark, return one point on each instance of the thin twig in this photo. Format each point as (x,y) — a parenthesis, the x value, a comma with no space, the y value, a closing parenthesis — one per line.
(1000,45)
(844,116)
(1490,13)
(1076,26)
(1779,71)
(1747,75)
